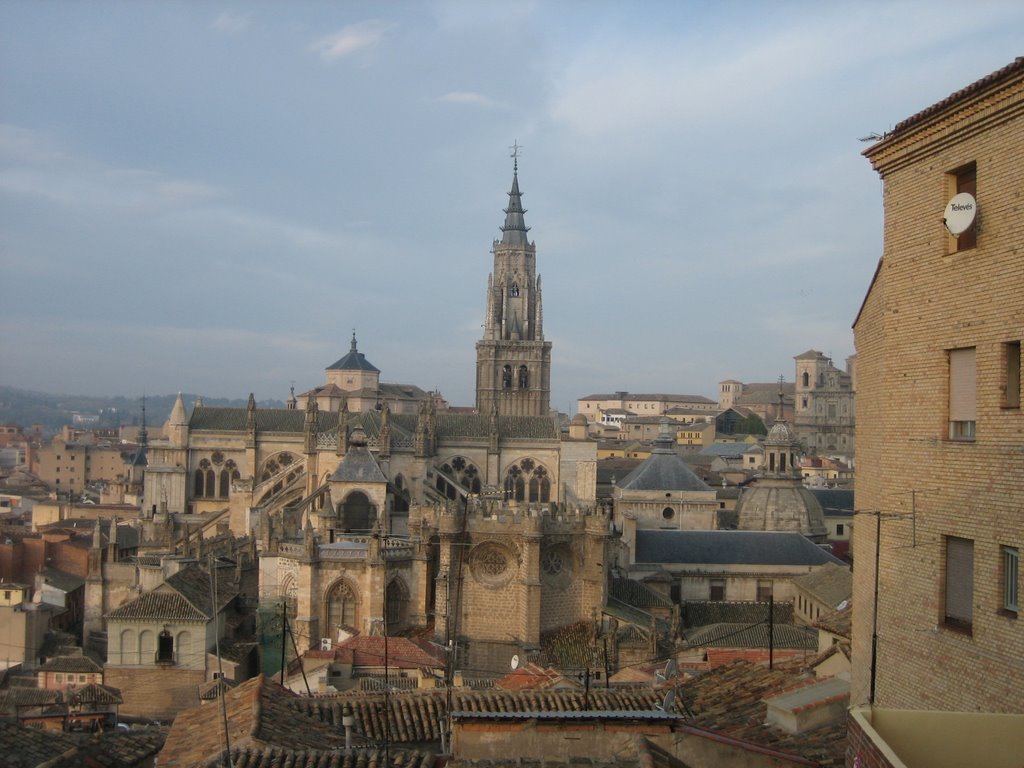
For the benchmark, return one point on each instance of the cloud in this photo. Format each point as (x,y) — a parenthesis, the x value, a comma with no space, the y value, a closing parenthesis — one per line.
(351,39)
(471,98)
(231,22)
(186,191)
(32,168)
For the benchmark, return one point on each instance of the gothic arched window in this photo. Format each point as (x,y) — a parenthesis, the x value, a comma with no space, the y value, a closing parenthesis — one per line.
(807,379)
(396,598)
(527,481)
(506,377)
(199,484)
(211,484)
(357,513)
(225,483)
(341,606)
(524,377)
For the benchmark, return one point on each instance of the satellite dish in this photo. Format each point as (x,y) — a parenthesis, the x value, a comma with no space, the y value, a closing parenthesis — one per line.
(960,213)
(515,662)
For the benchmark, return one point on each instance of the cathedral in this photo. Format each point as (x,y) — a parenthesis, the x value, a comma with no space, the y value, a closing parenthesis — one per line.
(377,509)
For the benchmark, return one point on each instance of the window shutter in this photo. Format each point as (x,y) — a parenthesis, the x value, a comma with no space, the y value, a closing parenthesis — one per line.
(959,580)
(962,400)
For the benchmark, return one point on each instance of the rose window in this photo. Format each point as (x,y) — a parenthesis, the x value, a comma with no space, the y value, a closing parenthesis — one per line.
(551,562)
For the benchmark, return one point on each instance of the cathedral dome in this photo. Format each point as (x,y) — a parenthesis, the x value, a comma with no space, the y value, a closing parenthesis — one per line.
(770,506)
(779,434)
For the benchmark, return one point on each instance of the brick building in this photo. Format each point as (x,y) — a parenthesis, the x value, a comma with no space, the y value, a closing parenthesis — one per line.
(939,431)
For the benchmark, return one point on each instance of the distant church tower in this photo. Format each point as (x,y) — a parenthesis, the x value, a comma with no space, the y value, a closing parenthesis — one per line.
(513,362)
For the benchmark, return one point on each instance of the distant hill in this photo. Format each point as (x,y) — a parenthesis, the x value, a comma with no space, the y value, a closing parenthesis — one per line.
(26,408)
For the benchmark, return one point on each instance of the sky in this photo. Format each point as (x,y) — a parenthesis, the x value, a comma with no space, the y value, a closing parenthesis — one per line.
(211,196)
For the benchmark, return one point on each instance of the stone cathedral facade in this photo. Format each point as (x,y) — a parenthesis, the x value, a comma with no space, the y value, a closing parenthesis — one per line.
(482,526)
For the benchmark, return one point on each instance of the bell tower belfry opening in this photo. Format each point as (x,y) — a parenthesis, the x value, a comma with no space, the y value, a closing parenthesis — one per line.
(513,362)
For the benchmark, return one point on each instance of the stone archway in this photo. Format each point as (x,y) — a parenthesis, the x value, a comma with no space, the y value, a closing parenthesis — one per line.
(356,513)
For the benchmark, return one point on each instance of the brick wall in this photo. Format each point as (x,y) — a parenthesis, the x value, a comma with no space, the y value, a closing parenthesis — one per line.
(157,692)
(861,750)
(926,299)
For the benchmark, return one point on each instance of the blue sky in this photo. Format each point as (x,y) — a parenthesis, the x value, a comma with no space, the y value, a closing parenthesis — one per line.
(209,197)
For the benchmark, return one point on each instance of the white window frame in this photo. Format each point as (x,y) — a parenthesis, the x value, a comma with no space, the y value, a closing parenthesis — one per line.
(963,408)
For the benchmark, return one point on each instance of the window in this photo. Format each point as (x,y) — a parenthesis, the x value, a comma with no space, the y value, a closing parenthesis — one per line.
(839,529)
(1011,574)
(959,592)
(165,647)
(1011,383)
(717,589)
(341,607)
(764,590)
(668,513)
(60,677)
(962,408)
(966,180)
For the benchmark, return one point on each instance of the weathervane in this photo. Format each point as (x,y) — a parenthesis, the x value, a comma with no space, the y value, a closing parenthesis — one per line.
(516,147)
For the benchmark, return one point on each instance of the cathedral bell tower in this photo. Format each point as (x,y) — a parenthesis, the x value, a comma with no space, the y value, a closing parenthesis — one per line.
(513,362)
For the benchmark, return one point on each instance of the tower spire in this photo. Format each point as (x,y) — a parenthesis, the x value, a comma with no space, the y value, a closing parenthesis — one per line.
(513,360)
(514,229)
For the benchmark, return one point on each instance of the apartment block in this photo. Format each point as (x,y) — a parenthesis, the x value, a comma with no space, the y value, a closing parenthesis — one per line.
(940,502)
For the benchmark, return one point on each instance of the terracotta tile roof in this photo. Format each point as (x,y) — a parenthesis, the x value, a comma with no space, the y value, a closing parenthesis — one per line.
(637,594)
(730,700)
(13,698)
(727,635)
(114,749)
(831,584)
(533,677)
(1008,71)
(368,651)
(159,605)
(416,716)
(838,622)
(625,761)
(94,694)
(212,689)
(71,663)
(568,647)
(274,757)
(24,747)
(699,613)
(718,657)
(185,596)
(263,715)
(260,714)
(828,653)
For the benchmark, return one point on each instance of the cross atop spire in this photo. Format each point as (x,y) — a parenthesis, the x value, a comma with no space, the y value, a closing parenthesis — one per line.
(516,147)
